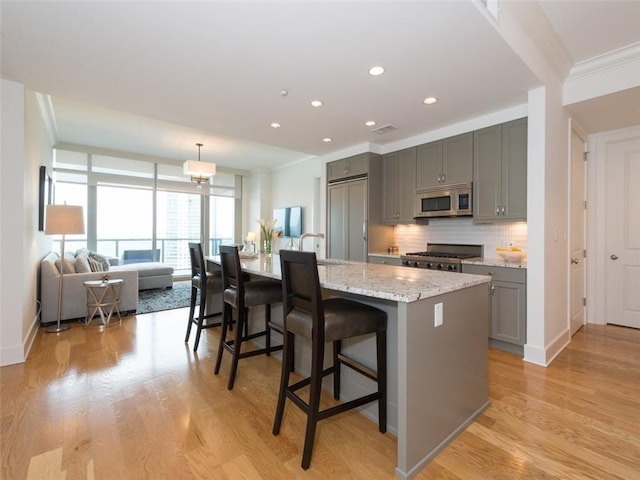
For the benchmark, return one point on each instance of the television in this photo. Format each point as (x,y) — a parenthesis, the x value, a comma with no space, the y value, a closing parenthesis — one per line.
(288,221)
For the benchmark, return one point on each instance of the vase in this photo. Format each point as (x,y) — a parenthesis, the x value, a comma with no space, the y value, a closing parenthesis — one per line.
(267,248)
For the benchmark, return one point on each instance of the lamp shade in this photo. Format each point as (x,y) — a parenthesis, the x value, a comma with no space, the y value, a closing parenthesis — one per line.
(63,220)
(196,168)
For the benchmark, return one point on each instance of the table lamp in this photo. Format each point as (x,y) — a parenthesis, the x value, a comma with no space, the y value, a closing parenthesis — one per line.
(62,220)
(251,238)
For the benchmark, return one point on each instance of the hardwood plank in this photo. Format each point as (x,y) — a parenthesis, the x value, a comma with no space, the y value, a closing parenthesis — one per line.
(135,402)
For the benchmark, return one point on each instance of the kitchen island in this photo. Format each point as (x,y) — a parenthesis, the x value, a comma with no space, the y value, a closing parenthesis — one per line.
(437,375)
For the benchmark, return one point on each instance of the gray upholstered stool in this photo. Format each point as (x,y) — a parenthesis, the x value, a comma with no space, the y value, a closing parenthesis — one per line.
(238,295)
(333,320)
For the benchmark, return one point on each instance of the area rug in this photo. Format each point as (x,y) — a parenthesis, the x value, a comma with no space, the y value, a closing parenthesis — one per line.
(158,299)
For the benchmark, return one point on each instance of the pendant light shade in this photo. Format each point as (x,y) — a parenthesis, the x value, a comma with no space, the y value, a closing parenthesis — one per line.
(199,171)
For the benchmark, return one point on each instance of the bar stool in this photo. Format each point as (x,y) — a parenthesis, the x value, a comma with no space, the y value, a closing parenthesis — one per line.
(306,314)
(213,282)
(239,294)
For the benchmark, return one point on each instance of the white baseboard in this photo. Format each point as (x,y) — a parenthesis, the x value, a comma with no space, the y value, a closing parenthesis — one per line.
(544,356)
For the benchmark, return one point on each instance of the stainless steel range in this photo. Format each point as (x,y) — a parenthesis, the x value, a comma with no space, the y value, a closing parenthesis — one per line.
(442,256)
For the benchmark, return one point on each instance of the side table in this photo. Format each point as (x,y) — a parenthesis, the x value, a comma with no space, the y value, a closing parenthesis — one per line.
(103,297)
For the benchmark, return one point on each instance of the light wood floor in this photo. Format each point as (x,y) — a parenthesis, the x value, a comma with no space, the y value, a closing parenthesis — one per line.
(134,402)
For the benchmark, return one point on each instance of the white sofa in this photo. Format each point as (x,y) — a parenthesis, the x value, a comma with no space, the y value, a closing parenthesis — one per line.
(74,295)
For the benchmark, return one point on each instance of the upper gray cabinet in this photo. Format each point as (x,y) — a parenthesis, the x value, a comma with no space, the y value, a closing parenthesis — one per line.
(351,167)
(500,173)
(399,186)
(445,162)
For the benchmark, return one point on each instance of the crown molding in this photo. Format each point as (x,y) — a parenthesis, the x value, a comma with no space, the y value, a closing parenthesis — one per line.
(606,61)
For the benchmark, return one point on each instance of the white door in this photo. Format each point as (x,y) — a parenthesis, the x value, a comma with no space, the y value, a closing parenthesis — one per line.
(622,241)
(577,232)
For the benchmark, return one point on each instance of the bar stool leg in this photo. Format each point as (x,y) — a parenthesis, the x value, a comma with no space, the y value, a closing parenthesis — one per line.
(192,309)
(201,314)
(287,358)
(337,350)
(237,345)
(317,358)
(267,322)
(226,322)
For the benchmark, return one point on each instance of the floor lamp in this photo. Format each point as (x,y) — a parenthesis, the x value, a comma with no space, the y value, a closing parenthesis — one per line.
(62,220)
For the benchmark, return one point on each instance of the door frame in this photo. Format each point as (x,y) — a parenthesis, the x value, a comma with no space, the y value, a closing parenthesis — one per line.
(596,218)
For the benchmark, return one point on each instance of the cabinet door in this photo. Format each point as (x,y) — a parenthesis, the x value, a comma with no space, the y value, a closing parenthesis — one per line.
(487,173)
(356,221)
(429,165)
(508,312)
(406,185)
(390,188)
(514,169)
(336,170)
(357,165)
(457,159)
(337,233)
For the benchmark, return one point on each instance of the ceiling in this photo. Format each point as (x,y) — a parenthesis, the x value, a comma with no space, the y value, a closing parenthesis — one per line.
(154,78)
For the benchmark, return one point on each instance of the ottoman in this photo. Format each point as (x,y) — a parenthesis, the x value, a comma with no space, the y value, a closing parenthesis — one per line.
(150,274)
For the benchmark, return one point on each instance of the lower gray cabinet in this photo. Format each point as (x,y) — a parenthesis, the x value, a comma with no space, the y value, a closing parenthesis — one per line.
(385,260)
(508,304)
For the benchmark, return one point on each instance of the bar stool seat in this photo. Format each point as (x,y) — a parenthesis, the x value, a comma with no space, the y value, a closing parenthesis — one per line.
(239,295)
(307,315)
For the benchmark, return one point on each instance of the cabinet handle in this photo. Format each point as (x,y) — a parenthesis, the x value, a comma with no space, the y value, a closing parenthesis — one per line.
(504,209)
(493,289)
(497,210)
(443,177)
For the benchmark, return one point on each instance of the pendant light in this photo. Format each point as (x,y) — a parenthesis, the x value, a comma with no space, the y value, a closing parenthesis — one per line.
(199,171)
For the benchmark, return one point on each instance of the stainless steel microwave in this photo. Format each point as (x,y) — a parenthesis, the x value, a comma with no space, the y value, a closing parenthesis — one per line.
(444,201)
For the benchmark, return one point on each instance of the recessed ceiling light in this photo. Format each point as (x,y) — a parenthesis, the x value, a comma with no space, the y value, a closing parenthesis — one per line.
(327,140)
(375,71)
(430,100)
(316,103)
(370,123)
(275,125)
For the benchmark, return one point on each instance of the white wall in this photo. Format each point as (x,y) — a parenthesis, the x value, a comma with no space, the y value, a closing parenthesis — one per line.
(24,147)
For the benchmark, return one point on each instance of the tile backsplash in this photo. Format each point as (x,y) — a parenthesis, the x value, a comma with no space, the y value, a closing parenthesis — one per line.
(414,238)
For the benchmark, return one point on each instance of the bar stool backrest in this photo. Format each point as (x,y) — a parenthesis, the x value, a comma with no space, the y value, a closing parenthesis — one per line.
(232,276)
(301,293)
(197,260)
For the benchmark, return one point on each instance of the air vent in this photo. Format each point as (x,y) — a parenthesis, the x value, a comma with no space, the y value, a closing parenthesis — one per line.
(384,129)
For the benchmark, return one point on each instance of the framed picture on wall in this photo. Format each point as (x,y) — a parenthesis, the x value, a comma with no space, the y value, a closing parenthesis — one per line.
(45,195)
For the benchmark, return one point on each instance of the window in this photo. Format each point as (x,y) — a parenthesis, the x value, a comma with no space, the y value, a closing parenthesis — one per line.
(138,204)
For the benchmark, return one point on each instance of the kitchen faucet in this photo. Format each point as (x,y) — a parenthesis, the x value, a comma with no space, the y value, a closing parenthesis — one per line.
(304,235)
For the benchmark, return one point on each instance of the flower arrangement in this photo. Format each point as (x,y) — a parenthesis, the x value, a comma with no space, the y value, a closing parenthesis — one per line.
(268,232)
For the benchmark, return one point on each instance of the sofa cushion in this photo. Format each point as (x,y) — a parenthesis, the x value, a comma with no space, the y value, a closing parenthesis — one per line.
(82,263)
(100,259)
(68,262)
(95,265)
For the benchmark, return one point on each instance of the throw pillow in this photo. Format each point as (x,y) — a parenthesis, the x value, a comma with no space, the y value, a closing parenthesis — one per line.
(82,264)
(67,264)
(101,259)
(95,265)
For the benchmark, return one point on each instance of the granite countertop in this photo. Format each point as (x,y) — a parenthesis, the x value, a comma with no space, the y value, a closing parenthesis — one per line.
(497,262)
(399,284)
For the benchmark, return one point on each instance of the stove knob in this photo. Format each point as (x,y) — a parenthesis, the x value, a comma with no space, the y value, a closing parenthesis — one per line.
(440,266)
(451,268)
(406,263)
(416,264)
(429,265)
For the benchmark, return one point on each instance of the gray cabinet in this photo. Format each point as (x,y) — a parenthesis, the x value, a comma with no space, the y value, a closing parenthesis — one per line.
(351,167)
(445,162)
(500,173)
(508,304)
(347,207)
(399,186)
(354,210)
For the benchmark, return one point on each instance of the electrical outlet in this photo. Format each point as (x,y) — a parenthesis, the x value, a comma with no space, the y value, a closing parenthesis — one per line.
(437,314)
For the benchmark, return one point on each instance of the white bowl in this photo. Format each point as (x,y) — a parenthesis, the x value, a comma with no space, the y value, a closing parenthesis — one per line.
(512,256)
